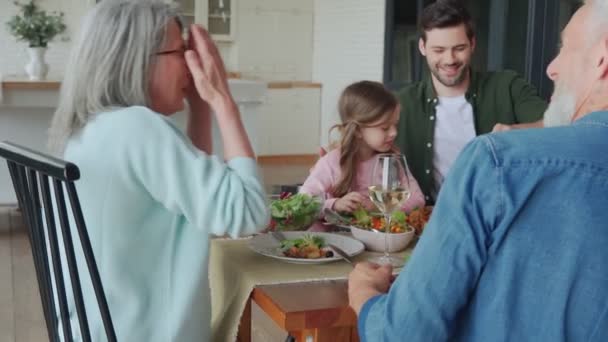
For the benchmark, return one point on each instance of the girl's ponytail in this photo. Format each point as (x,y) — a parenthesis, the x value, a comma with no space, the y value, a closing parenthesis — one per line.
(348,154)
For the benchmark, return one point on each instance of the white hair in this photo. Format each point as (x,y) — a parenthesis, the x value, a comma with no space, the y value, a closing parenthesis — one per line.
(110,62)
(563,104)
(598,23)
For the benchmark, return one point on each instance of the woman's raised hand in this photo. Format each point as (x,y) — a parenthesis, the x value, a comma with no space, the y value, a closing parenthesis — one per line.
(207,69)
(209,78)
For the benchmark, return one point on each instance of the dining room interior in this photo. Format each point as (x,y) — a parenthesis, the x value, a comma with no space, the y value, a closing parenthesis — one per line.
(287,63)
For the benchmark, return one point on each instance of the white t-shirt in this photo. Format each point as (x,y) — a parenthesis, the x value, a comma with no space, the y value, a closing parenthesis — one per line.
(454,128)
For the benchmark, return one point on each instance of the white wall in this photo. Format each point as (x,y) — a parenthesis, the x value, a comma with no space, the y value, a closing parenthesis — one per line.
(14,54)
(348,46)
(24,126)
(274,39)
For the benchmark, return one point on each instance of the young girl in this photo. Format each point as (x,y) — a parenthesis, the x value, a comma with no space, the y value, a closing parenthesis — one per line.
(369,114)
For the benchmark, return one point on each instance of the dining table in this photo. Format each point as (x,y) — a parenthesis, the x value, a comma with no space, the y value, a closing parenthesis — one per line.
(289,302)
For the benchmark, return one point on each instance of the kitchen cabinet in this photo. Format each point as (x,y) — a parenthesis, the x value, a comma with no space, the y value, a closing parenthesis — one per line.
(290,120)
(218,16)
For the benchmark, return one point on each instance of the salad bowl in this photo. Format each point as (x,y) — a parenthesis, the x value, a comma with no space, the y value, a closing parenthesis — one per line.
(294,212)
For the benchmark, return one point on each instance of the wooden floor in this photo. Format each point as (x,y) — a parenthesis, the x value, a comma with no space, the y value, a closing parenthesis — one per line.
(21,318)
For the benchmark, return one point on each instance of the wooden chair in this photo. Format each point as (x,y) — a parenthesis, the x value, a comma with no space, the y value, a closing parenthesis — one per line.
(32,173)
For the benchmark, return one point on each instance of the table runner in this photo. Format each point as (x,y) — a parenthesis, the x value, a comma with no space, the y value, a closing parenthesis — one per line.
(234,271)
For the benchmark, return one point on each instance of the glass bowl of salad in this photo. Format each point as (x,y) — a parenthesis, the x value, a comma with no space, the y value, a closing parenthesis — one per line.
(290,212)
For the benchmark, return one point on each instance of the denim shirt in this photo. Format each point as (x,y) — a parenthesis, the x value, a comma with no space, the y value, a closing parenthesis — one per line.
(516,249)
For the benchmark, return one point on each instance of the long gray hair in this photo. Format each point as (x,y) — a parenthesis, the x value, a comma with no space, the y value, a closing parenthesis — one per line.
(110,62)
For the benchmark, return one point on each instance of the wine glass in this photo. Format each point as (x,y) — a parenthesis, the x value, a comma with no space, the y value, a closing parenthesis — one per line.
(389,189)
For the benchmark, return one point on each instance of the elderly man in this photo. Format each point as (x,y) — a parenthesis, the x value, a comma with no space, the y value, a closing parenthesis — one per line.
(516,248)
(444,112)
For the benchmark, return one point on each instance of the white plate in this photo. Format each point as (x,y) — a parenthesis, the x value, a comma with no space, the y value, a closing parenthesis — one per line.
(266,245)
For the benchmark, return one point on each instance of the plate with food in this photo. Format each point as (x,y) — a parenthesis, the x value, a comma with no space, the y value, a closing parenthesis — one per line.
(305,247)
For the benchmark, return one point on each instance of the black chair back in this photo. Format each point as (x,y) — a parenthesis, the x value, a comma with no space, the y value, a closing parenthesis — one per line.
(32,173)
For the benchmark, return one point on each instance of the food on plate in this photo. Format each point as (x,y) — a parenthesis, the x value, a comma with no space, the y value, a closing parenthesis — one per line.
(294,212)
(366,220)
(418,218)
(307,247)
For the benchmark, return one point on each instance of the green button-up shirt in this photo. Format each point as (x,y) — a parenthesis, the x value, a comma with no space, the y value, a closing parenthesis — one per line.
(496,97)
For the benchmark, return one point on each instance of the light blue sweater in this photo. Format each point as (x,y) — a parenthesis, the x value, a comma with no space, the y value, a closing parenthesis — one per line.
(150,201)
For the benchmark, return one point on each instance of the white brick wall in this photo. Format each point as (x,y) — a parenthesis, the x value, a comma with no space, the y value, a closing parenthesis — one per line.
(348,46)
(14,54)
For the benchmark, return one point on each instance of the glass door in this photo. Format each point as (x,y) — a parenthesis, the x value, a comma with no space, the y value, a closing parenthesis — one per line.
(220,17)
(187,11)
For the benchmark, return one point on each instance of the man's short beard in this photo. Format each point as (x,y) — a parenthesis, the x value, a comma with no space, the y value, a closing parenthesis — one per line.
(454,81)
(561,109)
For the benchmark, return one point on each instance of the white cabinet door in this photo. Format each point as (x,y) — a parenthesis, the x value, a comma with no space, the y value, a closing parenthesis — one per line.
(290,122)
(218,16)
(187,10)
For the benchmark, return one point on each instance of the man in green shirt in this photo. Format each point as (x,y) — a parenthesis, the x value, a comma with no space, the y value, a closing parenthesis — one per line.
(442,113)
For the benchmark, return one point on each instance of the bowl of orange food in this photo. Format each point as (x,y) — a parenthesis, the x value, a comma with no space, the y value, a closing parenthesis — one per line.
(370,229)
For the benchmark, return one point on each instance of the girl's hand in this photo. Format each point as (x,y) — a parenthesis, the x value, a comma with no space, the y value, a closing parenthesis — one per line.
(349,202)
(368,205)
(207,69)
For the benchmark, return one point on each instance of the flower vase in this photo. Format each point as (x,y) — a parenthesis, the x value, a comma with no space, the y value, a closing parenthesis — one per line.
(37,68)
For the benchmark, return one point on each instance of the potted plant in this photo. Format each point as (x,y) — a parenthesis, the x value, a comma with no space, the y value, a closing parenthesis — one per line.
(38,28)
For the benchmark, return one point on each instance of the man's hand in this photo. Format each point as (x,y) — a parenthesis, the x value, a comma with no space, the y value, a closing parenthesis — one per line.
(366,281)
(350,202)
(503,127)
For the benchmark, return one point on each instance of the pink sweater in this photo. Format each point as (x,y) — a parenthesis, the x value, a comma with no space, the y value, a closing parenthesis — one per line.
(326,174)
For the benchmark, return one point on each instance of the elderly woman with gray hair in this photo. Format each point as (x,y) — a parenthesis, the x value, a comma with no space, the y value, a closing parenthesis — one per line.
(150,194)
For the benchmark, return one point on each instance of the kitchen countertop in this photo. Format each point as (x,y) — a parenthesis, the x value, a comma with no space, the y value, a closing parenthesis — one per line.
(24,84)
(292,84)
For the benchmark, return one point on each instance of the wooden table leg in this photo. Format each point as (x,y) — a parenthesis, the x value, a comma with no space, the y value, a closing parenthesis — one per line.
(244,332)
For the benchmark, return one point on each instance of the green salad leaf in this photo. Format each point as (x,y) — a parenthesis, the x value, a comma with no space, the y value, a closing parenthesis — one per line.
(399,217)
(362,217)
(294,212)
(305,240)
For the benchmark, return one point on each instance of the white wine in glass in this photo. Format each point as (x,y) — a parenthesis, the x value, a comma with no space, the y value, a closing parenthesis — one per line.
(388,200)
(389,190)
